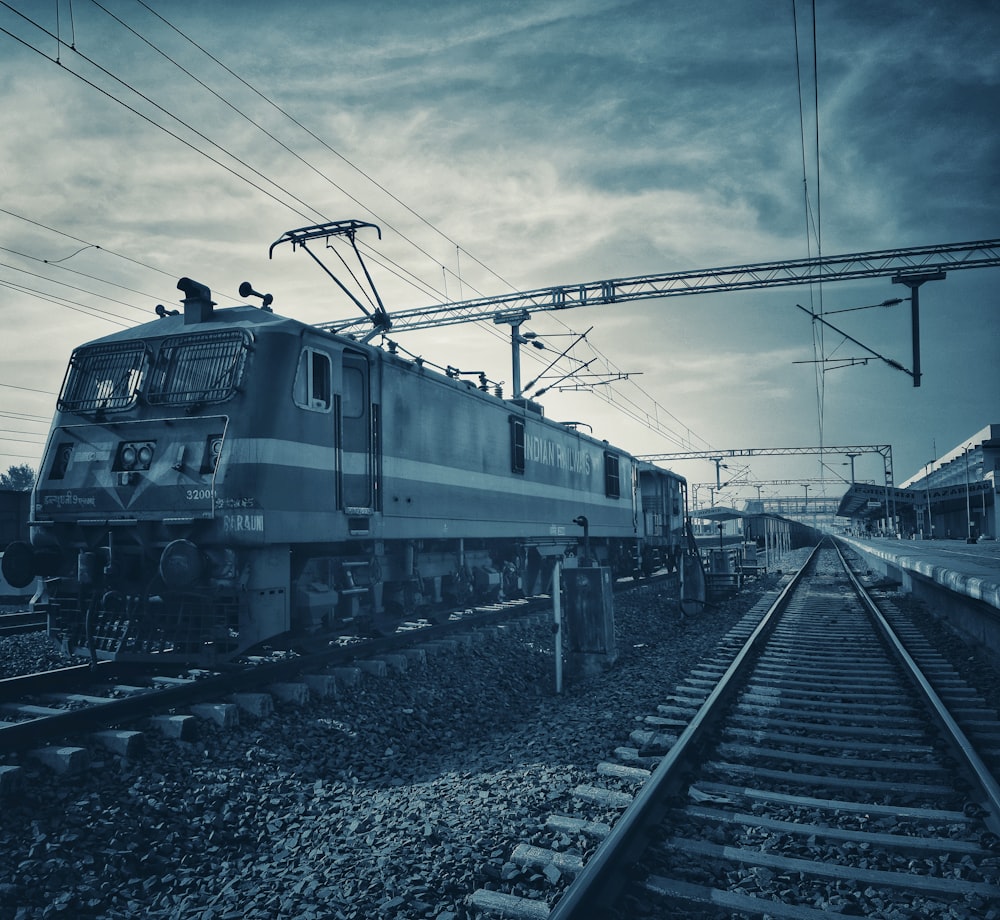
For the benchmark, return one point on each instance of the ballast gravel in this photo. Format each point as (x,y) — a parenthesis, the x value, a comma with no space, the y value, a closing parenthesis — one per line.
(397,799)
(29,653)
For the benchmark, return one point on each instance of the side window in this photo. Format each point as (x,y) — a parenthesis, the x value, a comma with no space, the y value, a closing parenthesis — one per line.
(612,483)
(313,386)
(516,444)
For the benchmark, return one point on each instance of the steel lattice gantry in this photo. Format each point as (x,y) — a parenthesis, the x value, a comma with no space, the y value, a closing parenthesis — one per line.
(887,262)
(885,450)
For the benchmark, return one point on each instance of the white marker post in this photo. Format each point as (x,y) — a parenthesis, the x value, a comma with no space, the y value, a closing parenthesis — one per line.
(557,618)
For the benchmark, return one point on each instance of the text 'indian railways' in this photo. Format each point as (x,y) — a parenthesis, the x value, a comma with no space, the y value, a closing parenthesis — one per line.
(547,452)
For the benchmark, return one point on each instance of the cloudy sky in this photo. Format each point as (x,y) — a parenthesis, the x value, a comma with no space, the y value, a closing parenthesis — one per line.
(514,145)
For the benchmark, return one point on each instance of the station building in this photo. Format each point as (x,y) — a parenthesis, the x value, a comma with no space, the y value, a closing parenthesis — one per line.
(952,497)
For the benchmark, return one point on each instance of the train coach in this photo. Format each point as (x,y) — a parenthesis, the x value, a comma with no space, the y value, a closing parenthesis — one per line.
(217,478)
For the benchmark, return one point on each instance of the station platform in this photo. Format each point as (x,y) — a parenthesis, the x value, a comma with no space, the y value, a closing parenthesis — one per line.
(971,570)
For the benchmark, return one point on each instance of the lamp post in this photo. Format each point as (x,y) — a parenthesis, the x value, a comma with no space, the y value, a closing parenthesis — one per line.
(927,490)
(516,341)
(968,503)
(719,465)
(851,458)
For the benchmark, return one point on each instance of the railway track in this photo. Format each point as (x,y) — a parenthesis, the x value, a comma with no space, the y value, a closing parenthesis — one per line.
(814,770)
(46,707)
(11,624)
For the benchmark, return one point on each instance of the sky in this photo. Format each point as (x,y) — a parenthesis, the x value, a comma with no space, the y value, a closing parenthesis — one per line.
(504,146)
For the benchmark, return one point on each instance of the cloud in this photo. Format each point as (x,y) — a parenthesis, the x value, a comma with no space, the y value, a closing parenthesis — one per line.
(558,143)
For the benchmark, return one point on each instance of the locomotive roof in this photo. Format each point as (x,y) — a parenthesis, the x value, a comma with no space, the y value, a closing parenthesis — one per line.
(220,319)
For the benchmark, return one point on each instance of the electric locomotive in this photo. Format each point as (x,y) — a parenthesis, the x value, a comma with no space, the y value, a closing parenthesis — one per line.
(216,478)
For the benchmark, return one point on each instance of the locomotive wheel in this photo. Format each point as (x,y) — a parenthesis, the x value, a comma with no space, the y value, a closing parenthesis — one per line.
(384,622)
(456,588)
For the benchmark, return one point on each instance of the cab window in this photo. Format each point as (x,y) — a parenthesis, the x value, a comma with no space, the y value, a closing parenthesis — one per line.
(313,381)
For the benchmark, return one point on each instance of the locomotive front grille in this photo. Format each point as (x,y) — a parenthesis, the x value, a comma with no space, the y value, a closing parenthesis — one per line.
(190,626)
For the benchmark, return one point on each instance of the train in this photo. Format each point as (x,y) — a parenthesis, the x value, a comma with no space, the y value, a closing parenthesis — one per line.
(216,479)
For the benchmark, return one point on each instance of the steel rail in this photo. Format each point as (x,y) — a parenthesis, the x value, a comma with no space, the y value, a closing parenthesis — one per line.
(594,883)
(959,740)
(228,679)
(12,624)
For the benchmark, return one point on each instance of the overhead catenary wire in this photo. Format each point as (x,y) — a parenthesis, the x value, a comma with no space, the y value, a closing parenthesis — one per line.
(77,307)
(639,414)
(106,281)
(77,239)
(403,272)
(156,124)
(344,159)
(72,287)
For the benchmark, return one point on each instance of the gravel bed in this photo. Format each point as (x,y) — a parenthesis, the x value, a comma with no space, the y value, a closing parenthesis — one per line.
(976,664)
(29,653)
(396,800)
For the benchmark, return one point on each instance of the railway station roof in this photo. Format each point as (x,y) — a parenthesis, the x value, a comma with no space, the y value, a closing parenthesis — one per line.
(717,514)
(865,499)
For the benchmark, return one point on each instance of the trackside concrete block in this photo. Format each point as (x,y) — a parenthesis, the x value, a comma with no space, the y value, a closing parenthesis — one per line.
(375,667)
(225,715)
(501,904)
(291,693)
(532,857)
(322,685)
(564,824)
(415,656)
(11,779)
(349,677)
(63,760)
(600,796)
(256,704)
(395,662)
(179,728)
(124,743)
(439,647)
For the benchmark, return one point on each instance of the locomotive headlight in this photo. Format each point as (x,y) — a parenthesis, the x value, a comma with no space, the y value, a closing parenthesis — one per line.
(134,455)
(213,450)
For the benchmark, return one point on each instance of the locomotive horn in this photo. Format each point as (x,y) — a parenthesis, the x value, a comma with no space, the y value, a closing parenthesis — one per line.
(246,290)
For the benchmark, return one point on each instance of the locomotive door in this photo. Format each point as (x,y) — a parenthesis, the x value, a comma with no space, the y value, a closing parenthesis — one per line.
(357,462)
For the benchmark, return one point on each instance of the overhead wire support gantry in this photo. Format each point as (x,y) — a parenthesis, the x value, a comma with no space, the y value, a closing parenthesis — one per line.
(886,262)
(852,451)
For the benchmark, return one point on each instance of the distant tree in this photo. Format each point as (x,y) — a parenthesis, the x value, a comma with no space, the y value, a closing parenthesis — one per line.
(20,478)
